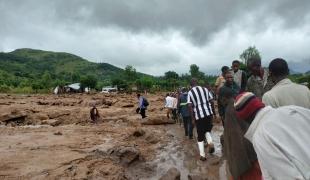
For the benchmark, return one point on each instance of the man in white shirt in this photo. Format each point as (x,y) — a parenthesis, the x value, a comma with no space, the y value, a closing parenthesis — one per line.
(169,104)
(285,92)
(239,75)
(280,137)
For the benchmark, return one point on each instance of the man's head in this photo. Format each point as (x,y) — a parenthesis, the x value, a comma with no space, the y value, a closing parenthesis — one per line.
(254,65)
(229,78)
(194,82)
(235,65)
(207,85)
(184,90)
(247,105)
(224,69)
(138,95)
(278,69)
(226,94)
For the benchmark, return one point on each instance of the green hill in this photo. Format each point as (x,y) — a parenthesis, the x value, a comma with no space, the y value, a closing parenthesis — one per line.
(26,62)
(24,67)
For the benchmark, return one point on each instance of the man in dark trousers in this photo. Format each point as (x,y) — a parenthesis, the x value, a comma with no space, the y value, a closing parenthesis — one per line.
(183,109)
(142,106)
(200,109)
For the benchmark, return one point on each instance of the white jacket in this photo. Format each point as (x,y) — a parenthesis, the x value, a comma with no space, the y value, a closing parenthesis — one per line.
(281,139)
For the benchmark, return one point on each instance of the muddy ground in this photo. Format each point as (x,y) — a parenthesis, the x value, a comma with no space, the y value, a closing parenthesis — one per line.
(51,137)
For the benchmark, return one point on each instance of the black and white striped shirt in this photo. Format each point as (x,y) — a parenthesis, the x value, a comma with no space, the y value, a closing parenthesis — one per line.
(200,98)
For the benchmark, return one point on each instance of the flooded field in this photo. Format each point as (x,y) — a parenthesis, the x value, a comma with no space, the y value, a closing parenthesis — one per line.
(51,137)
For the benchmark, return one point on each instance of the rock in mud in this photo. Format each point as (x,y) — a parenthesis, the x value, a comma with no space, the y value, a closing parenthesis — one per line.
(41,116)
(150,138)
(157,120)
(49,121)
(126,155)
(13,116)
(172,174)
(138,132)
(121,154)
(58,133)
(56,114)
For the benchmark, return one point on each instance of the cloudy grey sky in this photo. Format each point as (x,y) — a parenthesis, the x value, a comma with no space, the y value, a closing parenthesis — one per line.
(155,36)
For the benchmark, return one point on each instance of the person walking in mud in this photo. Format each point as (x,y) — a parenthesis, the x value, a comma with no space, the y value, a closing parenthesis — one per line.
(183,109)
(169,104)
(94,114)
(142,106)
(200,109)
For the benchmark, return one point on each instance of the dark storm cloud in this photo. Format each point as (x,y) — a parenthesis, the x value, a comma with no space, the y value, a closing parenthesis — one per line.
(159,35)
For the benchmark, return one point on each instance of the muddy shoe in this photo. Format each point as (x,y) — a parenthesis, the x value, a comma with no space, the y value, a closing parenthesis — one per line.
(202,158)
(211,148)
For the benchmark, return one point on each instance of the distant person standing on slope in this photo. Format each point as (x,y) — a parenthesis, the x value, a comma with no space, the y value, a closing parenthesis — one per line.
(142,105)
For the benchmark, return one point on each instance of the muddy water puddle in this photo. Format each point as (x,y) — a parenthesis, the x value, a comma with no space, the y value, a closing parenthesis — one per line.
(182,153)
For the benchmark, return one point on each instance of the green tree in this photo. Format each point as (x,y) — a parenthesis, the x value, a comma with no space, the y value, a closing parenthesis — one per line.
(46,80)
(172,79)
(88,81)
(250,52)
(145,83)
(120,83)
(194,71)
(36,85)
(130,73)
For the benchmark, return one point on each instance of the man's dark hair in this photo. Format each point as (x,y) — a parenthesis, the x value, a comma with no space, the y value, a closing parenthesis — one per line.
(138,95)
(224,69)
(194,82)
(236,61)
(251,60)
(278,67)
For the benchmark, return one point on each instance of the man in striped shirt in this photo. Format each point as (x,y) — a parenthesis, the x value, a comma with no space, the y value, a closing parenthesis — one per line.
(198,100)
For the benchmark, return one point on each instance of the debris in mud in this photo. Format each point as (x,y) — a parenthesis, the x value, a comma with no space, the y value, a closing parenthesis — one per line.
(172,174)
(56,123)
(157,120)
(138,132)
(150,138)
(58,133)
(42,103)
(14,116)
(125,155)
(128,106)
(56,114)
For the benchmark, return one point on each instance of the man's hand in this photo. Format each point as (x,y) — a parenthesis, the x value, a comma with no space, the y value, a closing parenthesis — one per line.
(137,110)
(193,122)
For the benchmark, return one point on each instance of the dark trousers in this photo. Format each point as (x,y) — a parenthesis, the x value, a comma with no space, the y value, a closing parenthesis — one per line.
(188,126)
(203,125)
(174,114)
(142,112)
